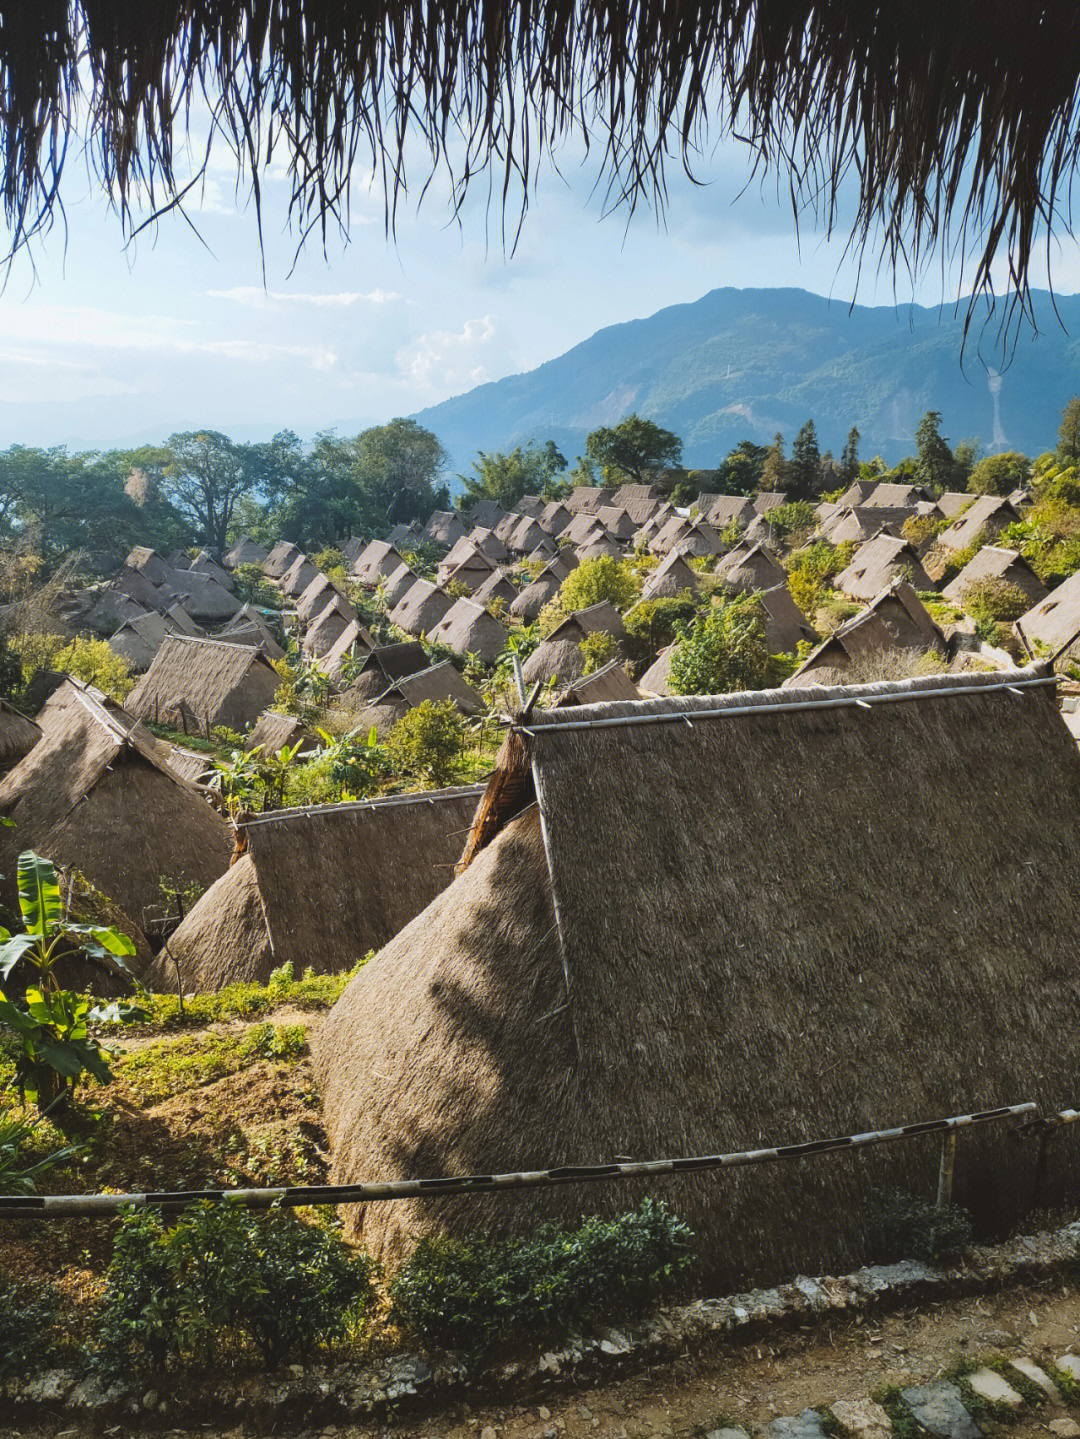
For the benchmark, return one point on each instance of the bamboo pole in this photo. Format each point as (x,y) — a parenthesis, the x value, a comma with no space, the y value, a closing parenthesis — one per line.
(66,1206)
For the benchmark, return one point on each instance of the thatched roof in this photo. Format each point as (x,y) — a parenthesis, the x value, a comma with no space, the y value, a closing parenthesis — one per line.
(655,679)
(397,585)
(201,595)
(618,522)
(508,524)
(467,628)
(444,528)
(752,567)
(526,535)
(190,764)
(906,618)
(245,551)
(439,683)
(766,500)
(785,623)
(532,505)
(894,497)
(670,532)
(380,863)
(855,524)
(495,587)
(354,639)
(489,544)
(280,559)
(421,609)
(205,564)
(466,564)
(700,540)
(404,536)
(554,518)
(1052,627)
(857,641)
(724,510)
(197,684)
(953,502)
(352,548)
(599,545)
(535,596)
(97,793)
(149,564)
(298,576)
(382,665)
(877,563)
(671,577)
(139,639)
(378,561)
(249,627)
(321,592)
(18,735)
(667,1024)
(274,731)
(995,563)
(634,492)
(581,528)
(485,513)
(587,498)
(179,616)
(135,585)
(559,657)
(329,626)
(601,687)
(987,516)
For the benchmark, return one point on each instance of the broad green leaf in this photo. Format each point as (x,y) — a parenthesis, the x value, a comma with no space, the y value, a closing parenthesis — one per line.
(39,893)
(13,949)
(8,822)
(108,938)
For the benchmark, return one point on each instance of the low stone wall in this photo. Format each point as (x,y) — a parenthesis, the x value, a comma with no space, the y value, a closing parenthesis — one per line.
(308,1397)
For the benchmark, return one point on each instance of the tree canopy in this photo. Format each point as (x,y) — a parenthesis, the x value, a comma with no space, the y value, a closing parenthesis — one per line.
(633,449)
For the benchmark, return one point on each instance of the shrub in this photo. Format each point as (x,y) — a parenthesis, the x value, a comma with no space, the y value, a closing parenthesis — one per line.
(426,741)
(30,1326)
(994,600)
(220,1277)
(726,648)
(254,588)
(597,648)
(810,571)
(785,522)
(462,1293)
(89,660)
(902,1226)
(652,624)
(604,579)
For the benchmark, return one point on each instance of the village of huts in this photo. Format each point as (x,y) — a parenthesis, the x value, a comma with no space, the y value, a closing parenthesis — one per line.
(579,827)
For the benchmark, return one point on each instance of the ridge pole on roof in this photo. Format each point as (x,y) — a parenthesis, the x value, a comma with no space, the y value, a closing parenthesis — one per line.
(527,704)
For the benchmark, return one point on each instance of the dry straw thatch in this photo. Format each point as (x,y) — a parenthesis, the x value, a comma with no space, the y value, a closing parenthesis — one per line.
(421,609)
(489,544)
(671,577)
(1052,627)
(766,500)
(526,535)
(654,682)
(18,736)
(995,563)
(249,627)
(466,564)
(559,657)
(587,498)
(723,510)
(397,585)
(468,629)
(281,559)
(297,577)
(535,596)
(599,545)
(444,528)
(274,731)
(438,683)
(895,497)
(554,518)
(205,564)
(97,793)
(601,687)
(785,624)
(700,540)
(954,502)
(532,1017)
(149,564)
(384,664)
(877,563)
(139,639)
(985,518)
(485,513)
(245,551)
(353,640)
(495,587)
(617,521)
(201,595)
(197,684)
(316,597)
(751,567)
(377,562)
(376,865)
(337,619)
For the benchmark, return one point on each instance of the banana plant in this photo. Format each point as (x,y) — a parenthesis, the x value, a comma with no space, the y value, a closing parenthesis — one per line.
(236,779)
(273,767)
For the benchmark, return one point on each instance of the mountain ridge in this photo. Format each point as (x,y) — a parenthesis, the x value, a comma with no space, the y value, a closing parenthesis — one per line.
(743,364)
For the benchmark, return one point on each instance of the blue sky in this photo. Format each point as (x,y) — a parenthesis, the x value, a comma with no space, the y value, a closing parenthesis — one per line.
(102,344)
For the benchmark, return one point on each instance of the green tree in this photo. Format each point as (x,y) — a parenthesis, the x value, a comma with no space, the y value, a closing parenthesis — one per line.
(505,476)
(739,472)
(999,474)
(725,648)
(204,478)
(634,448)
(849,457)
(804,468)
(1068,445)
(426,742)
(774,472)
(935,465)
(602,579)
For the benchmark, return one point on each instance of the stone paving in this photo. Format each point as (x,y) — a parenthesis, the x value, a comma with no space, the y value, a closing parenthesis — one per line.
(965,1406)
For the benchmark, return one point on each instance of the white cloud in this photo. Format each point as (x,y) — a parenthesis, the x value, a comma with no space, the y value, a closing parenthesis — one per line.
(264,299)
(446,360)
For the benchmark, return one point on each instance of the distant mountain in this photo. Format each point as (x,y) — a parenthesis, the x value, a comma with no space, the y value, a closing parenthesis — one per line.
(743,364)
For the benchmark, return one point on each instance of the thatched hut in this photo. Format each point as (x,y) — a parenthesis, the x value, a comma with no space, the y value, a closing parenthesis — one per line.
(273,732)
(751,567)
(423,606)
(297,577)
(640,500)
(603,686)
(149,564)
(534,597)
(860,641)
(245,551)
(666,538)
(993,563)
(667,1024)
(888,496)
(353,548)
(532,505)
(439,684)
(489,544)
(858,493)
(654,682)
(321,592)
(766,500)
(135,585)
(404,537)
(599,545)
(468,629)
(444,528)
(617,521)
(382,665)
(182,621)
(673,576)
(330,624)
(581,529)
(200,594)
(193,765)
(559,657)
(139,639)
(378,562)
(466,564)
(855,524)
(554,518)
(1052,627)
(954,502)
(985,518)
(381,863)
(96,793)
(396,586)
(205,564)
(18,736)
(508,524)
(196,684)
(526,535)
(496,587)
(907,619)
(249,627)
(723,510)
(700,540)
(353,640)
(485,513)
(785,624)
(280,559)
(877,563)
(587,498)
(546,550)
